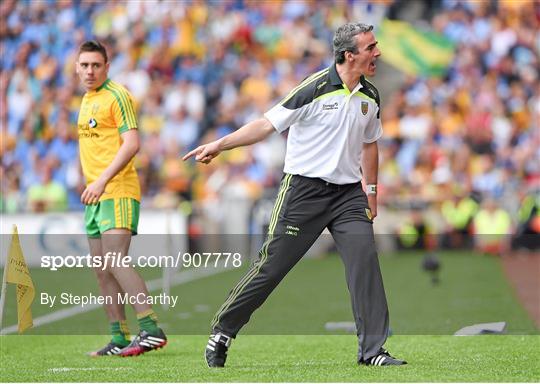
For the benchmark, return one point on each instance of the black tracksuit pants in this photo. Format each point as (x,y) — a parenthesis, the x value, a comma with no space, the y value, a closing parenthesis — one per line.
(304,208)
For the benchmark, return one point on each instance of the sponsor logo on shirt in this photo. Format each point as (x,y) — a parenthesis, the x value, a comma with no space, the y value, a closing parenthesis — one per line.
(330,107)
(92,123)
(86,133)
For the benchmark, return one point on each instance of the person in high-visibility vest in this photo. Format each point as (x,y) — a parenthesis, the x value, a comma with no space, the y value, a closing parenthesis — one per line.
(458,214)
(414,232)
(528,230)
(492,228)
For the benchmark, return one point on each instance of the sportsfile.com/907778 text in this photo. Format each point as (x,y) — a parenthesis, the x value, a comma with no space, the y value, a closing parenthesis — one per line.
(114,260)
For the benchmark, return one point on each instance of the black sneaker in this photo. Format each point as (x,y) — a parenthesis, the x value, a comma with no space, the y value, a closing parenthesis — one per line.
(144,342)
(108,350)
(383,358)
(216,350)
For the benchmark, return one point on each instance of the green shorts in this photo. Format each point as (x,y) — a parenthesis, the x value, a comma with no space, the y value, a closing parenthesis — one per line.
(112,213)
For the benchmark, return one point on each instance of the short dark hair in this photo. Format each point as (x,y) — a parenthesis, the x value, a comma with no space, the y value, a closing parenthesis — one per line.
(93,46)
(344,39)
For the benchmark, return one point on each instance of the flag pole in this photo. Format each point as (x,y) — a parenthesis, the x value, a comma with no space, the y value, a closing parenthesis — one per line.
(4,286)
(3,295)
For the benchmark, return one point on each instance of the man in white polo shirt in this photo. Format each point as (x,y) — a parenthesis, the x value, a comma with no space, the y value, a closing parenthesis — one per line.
(333,118)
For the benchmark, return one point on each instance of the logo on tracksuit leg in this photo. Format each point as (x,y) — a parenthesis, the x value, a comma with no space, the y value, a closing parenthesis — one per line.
(293,231)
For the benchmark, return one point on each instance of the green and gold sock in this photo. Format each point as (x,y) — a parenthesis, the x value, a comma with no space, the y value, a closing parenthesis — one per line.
(120,333)
(148,322)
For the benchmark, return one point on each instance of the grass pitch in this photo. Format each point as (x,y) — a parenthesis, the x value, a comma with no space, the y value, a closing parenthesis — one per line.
(275,359)
(286,339)
(472,289)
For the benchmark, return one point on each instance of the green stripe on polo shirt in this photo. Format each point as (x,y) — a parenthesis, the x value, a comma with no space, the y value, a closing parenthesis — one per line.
(343,92)
(304,84)
(364,96)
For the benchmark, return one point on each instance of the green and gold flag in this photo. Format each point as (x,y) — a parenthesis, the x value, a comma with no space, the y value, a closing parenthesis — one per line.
(413,51)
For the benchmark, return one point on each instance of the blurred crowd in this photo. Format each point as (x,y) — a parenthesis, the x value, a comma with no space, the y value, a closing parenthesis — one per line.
(469,143)
(199,70)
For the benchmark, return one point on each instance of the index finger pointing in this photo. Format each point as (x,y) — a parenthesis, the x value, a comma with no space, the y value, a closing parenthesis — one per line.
(189,154)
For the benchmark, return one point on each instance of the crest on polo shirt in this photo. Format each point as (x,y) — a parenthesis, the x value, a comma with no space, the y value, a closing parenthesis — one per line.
(364,107)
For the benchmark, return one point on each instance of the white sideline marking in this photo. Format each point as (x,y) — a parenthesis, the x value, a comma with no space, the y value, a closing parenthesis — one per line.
(153,285)
(66,369)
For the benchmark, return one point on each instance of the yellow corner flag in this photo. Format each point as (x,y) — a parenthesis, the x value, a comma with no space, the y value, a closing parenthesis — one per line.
(17,273)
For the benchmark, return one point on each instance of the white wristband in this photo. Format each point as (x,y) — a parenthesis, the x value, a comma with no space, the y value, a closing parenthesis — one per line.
(371,189)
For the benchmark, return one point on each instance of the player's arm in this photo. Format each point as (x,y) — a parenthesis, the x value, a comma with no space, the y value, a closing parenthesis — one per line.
(251,133)
(370,170)
(128,149)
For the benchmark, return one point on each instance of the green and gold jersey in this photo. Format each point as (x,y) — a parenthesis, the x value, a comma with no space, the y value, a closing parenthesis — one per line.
(105,114)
